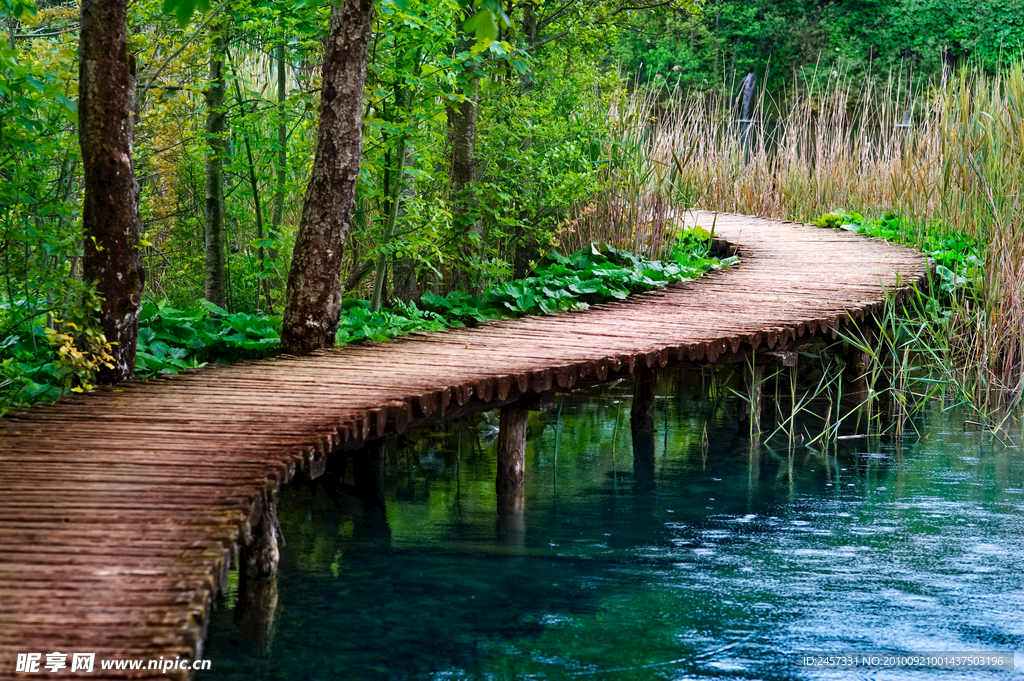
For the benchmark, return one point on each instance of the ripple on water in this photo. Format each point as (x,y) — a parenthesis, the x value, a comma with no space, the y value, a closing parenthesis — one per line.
(920,551)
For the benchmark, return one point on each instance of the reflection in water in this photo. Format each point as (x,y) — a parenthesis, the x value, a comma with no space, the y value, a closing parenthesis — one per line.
(369,509)
(713,558)
(256,613)
(643,459)
(511,516)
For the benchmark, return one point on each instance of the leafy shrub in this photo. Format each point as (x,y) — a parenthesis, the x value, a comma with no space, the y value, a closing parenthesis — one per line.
(358,323)
(43,364)
(171,339)
(592,275)
(29,369)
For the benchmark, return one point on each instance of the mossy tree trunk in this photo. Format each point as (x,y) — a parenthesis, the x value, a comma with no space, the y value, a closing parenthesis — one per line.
(110,206)
(313,304)
(216,152)
(277,217)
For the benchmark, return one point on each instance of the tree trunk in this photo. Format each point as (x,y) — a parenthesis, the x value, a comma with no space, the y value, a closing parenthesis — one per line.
(264,284)
(389,227)
(282,152)
(511,449)
(110,206)
(525,245)
(216,152)
(406,288)
(531,31)
(396,194)
(463,119)
(313,304)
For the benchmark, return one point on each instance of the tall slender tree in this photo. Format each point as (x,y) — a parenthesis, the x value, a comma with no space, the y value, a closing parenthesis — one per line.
(313,303)
(216,152)
(281,164)
(110,210)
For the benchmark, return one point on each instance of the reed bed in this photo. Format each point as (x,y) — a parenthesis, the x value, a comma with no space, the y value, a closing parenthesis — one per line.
(948,160)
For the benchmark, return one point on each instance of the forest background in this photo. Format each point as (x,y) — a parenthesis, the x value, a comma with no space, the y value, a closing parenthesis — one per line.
(479,156)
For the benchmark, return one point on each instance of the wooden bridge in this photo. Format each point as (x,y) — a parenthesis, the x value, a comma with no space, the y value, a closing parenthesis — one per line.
(122,510)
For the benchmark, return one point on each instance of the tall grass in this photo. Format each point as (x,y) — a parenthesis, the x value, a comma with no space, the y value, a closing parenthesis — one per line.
(948,160)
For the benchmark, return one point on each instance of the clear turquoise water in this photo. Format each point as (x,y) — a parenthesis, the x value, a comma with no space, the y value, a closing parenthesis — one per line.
(737,558)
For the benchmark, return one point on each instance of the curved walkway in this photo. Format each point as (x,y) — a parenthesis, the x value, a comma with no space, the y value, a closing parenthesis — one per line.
(121,510)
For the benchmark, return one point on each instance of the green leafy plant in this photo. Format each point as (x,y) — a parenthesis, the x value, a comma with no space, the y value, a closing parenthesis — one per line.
(592,275)
(171,339)
(958,257)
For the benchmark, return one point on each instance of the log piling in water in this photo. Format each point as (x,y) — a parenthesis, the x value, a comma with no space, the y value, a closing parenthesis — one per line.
(256,613)
(511,518)
(262,554)
(641,410)
(511,449)
(369,520)
(859,360)
(121,510)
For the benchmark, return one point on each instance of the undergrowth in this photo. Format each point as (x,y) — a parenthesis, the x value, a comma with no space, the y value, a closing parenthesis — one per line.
(957,255)
(34,367)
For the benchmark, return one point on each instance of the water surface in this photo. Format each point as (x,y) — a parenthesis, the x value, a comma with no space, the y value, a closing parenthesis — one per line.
(721,564)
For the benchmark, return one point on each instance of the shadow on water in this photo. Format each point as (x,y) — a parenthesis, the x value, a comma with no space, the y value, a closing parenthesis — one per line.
(688,552)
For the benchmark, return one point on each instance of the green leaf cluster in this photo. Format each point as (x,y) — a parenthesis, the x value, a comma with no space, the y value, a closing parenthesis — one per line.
(958,256)
(28,372)
(593,275)
(358,323)
(171,339)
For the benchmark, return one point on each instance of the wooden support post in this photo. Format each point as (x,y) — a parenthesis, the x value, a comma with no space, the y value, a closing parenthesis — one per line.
(641,414)
(262,554)
(511,519)
(511,449)
(643,459)
(641,426)
(256,613)
(257,602)
(370,523)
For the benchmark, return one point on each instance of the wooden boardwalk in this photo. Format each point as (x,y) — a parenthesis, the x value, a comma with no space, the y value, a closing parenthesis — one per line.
(121,510)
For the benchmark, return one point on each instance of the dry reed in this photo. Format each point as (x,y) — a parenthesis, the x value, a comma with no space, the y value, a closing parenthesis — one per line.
(948,160)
